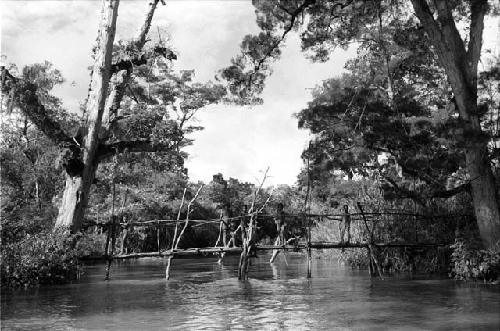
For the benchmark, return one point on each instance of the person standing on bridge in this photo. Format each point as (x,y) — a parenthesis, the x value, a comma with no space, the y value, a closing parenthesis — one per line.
(345,224)
(225,218)
(279,219)
(244,224)
(280,223)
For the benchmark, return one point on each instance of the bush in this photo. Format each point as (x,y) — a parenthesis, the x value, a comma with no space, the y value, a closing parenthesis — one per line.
(90,244)
(469,262)
(43,258)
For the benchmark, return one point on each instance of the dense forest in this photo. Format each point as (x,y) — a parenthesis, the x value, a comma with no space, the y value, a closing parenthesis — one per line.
(411,126)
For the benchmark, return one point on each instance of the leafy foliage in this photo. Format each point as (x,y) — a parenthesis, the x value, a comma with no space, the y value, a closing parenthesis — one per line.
(469,261)
(42,258)
(31,172)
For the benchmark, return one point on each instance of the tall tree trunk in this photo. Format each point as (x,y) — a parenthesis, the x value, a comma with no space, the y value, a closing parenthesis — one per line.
(461,67)
(484,194)
(76,192)
(74,202)
(121,79)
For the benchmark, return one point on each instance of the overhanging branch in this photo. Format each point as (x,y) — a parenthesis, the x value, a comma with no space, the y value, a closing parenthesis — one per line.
(134,146)
(293,18)
(437,194)
(128,64)
(478,11)
(24,95)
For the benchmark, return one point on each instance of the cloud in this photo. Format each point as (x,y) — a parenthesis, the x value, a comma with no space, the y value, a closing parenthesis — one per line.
(61,32)
(237,141)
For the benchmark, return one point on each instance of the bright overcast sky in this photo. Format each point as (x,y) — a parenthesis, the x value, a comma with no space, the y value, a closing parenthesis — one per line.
(239,142)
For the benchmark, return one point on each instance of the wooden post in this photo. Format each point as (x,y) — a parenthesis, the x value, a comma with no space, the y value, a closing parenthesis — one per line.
(113,242)
(309,253)
(108,236)
(158,235)
(251,230)
(112,230)
(375,261)
(416,228)
(177,239)
(370,232)
(370,262)
(243,263)
(169,260)
(372,257)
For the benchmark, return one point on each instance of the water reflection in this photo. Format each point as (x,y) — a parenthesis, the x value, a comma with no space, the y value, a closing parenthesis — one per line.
(204,295)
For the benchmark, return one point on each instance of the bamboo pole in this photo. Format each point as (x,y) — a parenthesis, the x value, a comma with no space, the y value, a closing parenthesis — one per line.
(158,236)
(375,261)
(110,256)
(169,261)
(214,250)
(248,243)
(372,256)
(186,222)
(309,252)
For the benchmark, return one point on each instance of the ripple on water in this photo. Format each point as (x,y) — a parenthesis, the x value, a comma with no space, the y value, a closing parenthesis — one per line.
(203,295)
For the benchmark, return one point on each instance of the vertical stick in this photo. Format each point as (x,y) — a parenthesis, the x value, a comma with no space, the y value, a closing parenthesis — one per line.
(370,232)
(252,228)
(375,261)
(167,269)
(275,251)
(112,234)
(108,236)
(158,235)
(186,222)
(306,209)
(415,221)
(169,261)
(370,262)
(309,253)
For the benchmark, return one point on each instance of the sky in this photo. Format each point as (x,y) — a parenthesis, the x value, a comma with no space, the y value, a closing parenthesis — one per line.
(239,142)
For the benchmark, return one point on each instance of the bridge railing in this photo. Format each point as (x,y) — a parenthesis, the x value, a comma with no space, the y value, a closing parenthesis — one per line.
(380,226)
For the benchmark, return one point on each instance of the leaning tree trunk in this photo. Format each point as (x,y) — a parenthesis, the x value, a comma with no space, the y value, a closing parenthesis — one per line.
(461,68)
(72,209)
(76,192)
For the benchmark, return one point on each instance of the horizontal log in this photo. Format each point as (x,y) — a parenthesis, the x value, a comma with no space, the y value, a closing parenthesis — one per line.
(328,245)
(330,217)
(215,250)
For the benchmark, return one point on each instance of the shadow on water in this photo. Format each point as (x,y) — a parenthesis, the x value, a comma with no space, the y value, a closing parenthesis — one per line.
(204,295)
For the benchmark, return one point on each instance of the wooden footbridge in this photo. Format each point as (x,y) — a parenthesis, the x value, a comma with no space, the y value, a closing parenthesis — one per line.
(371,234)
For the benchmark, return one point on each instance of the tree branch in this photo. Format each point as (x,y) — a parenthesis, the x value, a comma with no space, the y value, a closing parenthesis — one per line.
(293,17)
(406,193)
(420,199)
(451,52)
(128,64)
(445,194)
(24,95)
(134,146)
(122,80)
(478,11)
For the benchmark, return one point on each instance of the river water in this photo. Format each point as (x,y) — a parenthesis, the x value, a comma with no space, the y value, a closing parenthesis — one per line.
(202,295)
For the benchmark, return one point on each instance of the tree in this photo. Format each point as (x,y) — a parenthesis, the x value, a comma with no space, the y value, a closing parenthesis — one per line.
(461,66)
(337,23)
(30,177)
(76,192)
(120,115)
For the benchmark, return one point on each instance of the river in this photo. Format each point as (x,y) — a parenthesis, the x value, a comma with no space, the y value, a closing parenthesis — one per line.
(202,295)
